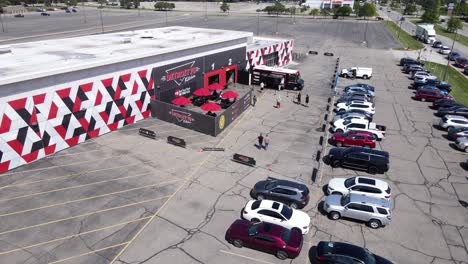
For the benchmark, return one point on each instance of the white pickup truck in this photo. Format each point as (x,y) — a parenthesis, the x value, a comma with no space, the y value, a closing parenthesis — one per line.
(360,125)
(357,72)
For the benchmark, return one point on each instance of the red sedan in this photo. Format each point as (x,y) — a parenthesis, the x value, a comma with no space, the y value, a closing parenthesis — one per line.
(267,237)
(354,138)
(430,95)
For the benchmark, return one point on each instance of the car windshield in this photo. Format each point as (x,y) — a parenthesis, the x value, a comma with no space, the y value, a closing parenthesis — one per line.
(286,212)
(253,230)
(350,182)
(345,200)
(346,122)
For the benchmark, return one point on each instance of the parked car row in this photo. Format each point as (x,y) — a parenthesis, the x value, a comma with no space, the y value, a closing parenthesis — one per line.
(454,116)
(460,61)
(272,222)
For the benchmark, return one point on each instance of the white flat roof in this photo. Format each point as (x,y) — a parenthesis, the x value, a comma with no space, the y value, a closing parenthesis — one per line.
(44,58)
(261,42)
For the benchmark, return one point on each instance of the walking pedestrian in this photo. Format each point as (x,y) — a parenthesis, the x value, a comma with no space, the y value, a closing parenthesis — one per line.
(260,140)
(307,100)
(267,141)
(254,100)
(299,98)
(262,85)
(278,101)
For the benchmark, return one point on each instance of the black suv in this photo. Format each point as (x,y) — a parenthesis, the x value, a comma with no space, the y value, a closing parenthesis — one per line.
(370,160)
(338,253)
(404,61)
(292,193)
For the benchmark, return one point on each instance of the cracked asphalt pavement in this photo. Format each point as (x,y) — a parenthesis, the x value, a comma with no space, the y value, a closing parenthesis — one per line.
(89,204)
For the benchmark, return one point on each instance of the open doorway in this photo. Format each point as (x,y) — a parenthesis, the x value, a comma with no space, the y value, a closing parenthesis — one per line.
(213,79)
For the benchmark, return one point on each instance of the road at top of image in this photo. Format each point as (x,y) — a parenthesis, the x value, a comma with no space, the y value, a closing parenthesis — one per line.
(90,203)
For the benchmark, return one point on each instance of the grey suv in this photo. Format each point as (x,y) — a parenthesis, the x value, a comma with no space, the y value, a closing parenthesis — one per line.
(292,193)
(374,211)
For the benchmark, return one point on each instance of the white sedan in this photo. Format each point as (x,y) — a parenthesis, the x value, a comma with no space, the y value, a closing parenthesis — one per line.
(359,185)
(361,105)
(276,213)
(339,122)
(444,50)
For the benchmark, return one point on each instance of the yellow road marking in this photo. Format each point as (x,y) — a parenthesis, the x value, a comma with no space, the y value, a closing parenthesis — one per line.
(66,176)
(82,215)
(73,187)
(242,256)
(57,155)
(187,179)
(87,198)
(88,253)
(73,236)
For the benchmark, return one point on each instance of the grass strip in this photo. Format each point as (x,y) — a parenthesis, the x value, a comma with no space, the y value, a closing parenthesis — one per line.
(405,39)
(455,78)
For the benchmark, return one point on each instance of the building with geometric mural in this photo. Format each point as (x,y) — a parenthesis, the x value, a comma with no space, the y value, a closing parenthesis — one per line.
(58,93)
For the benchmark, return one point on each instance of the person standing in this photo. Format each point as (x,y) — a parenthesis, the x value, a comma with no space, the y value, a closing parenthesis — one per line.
(260,140)
(254,100)
(307,100)
(267,141)
(278,101)
(262,85)
(299,98)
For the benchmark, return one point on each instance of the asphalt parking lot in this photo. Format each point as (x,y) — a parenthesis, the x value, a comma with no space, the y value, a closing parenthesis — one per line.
(123,199)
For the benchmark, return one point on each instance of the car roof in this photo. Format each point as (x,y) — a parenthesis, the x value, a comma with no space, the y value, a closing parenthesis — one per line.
(367,200)
(372,182)
(370,151)
(271,229)
(359,132)
(339,248)
(456,117)
(271,205)
(286,183)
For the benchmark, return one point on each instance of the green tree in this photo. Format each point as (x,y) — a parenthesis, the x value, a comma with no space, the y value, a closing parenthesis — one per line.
(304,8)
(3,3)
(224,7)
(383,2)
(367,10)
(325,12)
(356,6)
(314,12)
(126,4)
(344,11)
(136,3)
(164,6)
(432,11)
(277,8)
(102,3)
(454,24)
(395,5)
(410,9)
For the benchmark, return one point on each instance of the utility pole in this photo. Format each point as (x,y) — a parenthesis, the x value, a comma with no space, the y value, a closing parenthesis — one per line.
(277,16)
(166,17)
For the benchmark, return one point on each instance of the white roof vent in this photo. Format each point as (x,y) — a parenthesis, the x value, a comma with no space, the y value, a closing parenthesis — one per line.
(5,49)
(147,35)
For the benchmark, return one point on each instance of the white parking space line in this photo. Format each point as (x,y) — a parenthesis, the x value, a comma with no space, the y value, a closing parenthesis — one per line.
(246,257)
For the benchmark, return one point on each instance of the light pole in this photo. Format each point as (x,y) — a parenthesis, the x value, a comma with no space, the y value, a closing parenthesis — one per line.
(277,16)
(166,17)
(1,20)
(102,21)
(399,28)
(206,10)
(84,13)
(453,43)
(258,23)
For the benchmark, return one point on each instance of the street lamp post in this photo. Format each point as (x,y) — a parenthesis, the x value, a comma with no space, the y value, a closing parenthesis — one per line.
(206,10)
(102,21)
(84,13)
(1,20)
(258,24)
(277,17)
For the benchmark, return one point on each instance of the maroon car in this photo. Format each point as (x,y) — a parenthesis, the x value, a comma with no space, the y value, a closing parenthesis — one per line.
(430,95)
(461,62)
(267,237)
(354,138)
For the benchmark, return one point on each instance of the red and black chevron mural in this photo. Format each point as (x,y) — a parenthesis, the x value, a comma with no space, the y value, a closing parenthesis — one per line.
(284,49)
(35,125)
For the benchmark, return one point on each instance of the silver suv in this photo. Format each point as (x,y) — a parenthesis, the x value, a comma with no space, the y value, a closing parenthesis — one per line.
(374,211)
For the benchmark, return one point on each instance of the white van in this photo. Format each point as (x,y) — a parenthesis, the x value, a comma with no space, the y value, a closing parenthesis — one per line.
(357,72)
